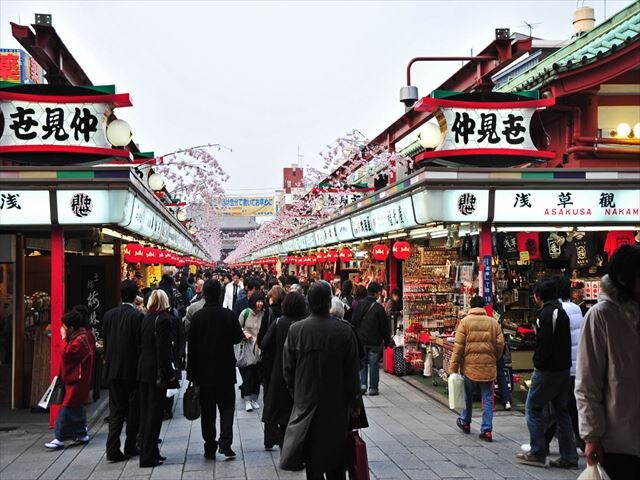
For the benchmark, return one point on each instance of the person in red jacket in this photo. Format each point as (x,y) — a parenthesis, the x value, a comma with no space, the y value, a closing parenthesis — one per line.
(76,372)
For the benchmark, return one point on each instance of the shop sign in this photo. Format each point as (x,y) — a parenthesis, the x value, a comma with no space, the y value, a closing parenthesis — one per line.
(361,225)
(330,234)
(24,207)
(319,236)
(393,216)
(249,206)
(93,206)
(567,205)
(154,273)
(93,293)
(309,240)
(484,128)
(48,123)
(451,205)
(344,232)
(486,281)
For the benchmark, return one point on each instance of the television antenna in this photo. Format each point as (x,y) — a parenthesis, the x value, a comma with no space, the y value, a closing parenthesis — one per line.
(530,26)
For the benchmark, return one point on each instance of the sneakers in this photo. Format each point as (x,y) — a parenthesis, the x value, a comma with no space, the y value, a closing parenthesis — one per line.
(248,406)
(255,404)
(463,426)
(528,459)
(507,406)
(54,444)
(562,463)
(486,436)
(373,392)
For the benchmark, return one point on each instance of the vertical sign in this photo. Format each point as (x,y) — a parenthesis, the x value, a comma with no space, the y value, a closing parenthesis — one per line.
(94,295)
(486,281)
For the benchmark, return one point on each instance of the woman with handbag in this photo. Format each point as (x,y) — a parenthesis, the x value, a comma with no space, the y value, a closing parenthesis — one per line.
(248,352)
(76,373)
(155,373)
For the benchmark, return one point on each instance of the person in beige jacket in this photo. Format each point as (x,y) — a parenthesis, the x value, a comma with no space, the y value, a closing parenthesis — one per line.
(478,346)
(607,380)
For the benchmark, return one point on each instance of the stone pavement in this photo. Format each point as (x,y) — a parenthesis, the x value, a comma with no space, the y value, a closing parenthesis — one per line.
(411,437)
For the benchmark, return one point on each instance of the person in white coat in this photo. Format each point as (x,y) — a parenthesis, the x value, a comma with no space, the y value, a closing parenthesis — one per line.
(232,291)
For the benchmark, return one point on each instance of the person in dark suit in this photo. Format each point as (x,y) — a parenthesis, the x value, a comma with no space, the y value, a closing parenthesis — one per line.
(155,370)
(211,364)
(121,334)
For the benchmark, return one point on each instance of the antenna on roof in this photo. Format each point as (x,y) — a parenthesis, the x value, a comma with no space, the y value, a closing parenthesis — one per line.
(530,26)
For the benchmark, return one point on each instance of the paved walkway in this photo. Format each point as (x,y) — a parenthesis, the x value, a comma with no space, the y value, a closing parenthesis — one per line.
(411,437)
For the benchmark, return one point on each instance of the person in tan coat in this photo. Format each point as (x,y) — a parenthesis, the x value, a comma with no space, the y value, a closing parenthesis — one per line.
(478,346)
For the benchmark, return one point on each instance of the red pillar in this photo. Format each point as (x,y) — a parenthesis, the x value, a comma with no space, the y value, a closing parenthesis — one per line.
(486,250)
(57,306)
(393,273)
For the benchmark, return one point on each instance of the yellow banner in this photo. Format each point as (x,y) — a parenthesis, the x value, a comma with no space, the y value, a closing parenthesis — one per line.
(154,274)
(247,206)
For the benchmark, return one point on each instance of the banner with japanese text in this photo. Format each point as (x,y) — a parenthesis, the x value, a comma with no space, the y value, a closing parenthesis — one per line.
(249,206)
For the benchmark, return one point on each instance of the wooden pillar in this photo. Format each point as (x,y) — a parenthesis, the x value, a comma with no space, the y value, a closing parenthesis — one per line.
(486,253)
(18,328)
(57,306)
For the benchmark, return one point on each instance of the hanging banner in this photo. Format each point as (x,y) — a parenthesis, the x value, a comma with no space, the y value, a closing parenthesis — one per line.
(247,206)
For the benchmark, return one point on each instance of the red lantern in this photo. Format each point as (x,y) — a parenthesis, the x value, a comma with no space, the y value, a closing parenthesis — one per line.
(346,255)
(332,256)
(311,260)
(321,256)
(150,255)
(133,253)
(401,250)
(380,252)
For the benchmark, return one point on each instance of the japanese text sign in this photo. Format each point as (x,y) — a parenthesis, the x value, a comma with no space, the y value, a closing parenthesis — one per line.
(24,207)
(451,205)
(393,216)
(247,206)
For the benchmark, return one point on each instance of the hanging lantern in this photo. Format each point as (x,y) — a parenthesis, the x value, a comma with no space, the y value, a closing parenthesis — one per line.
(150,255)
(133,253)
(346,255)
(401,250)
(311,260)
(380,252)
(321,256)
(332,256)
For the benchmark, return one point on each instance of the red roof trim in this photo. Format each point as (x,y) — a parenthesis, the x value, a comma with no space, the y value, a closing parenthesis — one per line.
(465,152)
(117,99)
(105,152)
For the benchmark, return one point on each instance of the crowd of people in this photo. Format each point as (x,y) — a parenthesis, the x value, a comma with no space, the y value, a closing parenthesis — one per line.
(314,349)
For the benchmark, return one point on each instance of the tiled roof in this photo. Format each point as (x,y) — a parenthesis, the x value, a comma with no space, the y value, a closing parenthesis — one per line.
(607,38)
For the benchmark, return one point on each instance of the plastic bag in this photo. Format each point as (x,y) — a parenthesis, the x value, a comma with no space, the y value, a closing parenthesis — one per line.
(428,365)
(456,391)
(594,472)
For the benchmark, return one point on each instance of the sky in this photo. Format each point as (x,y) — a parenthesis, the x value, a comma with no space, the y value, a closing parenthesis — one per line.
(271,79)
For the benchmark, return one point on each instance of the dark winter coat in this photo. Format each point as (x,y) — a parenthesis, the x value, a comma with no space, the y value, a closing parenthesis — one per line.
(278,402)
(321,371)
(121,333)
(76,369)
(372,323)
(553,349)
(155,347)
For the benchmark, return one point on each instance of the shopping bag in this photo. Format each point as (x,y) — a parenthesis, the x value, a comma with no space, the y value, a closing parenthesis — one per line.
(191,402)
(456,391)
(594,472)
(428,365)
(387,360)
(358,462)
(45,401)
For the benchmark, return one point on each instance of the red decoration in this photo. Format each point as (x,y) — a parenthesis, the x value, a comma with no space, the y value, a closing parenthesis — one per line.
(321,256)
(311,260)
(346,255)
(150,255)
(332,256)
(133,253)
(380,252)
(401,250)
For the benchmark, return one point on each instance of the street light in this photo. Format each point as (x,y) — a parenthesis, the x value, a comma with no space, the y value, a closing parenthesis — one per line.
(430,135)
(156,182)
(119,133)
(182,215)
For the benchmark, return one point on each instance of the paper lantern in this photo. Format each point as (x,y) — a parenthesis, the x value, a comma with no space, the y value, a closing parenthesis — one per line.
(401,250)
(150,255)
(332,256)
(380,252)
(321,256)
(346,255)
(133,253)
(311,260)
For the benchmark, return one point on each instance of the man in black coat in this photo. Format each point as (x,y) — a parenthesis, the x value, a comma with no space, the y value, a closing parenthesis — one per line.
(211,365)
(372,326)
(320,367)
(121,333)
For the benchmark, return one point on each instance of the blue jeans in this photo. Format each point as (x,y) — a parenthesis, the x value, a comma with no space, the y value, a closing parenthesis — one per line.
(371,368)
(486,393)
(503,384)
(550,387)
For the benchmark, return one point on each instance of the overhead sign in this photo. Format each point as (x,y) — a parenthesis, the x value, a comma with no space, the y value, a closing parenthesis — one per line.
(451,205)
(247,206)
(93,206)
(344,232)
(484,128)
(24,207)
(393,216)
(361,225)
(51,123)
(567,205)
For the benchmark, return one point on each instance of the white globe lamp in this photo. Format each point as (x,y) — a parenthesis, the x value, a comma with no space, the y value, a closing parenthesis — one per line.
(430,135)
(119,133)
(636,130)
(156,182)
(623,130)
(182,215)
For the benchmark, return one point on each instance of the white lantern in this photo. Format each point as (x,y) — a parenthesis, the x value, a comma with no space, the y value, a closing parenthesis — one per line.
(636,130)
(182,215)
(192,231)
(623,130)
(119,133)
(156,182)
(430,135)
